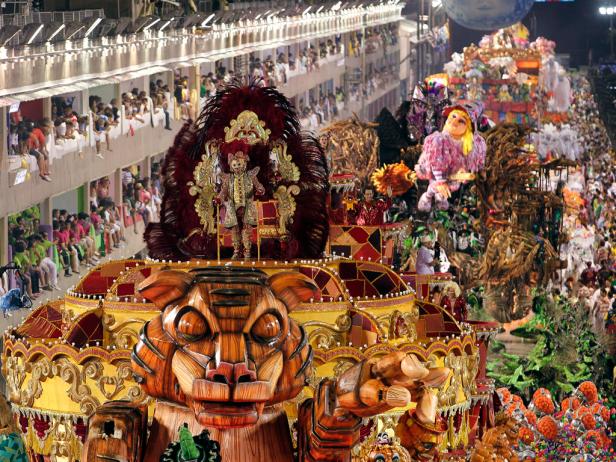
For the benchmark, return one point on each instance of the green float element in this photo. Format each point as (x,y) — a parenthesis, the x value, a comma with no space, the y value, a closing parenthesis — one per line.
(12,448)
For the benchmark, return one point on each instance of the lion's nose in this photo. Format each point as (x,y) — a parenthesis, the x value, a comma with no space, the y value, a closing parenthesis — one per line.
(230,374)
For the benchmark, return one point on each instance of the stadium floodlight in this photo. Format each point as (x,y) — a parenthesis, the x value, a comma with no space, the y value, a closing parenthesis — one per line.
(35,34)
(164,26)
(73,29)
(8,33)
(156,21)
(96,22)
(208,19)
(59,29)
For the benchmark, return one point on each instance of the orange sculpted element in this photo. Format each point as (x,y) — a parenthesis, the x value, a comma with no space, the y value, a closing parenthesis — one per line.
(225,350)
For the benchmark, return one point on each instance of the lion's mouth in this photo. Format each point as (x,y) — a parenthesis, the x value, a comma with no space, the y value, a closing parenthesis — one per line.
(227,414)
(225,408)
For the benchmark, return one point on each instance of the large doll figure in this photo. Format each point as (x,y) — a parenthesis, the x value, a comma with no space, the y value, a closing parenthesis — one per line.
(237,195)
(450,157)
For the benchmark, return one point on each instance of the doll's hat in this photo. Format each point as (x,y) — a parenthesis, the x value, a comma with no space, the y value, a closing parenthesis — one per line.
(473,110)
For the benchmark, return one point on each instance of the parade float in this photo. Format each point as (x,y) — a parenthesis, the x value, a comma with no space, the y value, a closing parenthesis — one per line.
(235,343)
(280,317)
(516,80)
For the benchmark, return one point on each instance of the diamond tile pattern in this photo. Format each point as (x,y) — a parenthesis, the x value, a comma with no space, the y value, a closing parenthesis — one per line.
(365,279)
(44,322)
(86,330)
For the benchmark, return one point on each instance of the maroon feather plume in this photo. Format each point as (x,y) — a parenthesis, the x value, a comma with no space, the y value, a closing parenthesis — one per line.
(170,239)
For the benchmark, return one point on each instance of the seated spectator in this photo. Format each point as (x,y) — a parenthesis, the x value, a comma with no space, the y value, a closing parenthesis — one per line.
(84,243)
(39,247)
(68,253)
(22,261)
(14,141)
(60,128)
(112,222)
(34,140)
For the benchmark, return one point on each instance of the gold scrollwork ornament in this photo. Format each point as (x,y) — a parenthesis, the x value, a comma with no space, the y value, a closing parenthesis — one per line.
(248,128)
(326,336)
(204,188)
(286,206)
(287,169)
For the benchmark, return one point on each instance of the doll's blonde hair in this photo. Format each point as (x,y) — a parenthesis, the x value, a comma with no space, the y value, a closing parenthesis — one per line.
(467,138)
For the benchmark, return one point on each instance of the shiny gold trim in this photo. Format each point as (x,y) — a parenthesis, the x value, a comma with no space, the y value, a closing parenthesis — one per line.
(203,186)
(326,336)
(286,206)
(248,128)
(287,169)
(122,336)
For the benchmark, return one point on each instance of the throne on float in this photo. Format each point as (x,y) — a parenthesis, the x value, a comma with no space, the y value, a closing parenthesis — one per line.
(271,225)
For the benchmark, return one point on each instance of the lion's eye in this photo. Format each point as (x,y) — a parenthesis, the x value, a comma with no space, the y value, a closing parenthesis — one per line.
(191,325)
(266,328)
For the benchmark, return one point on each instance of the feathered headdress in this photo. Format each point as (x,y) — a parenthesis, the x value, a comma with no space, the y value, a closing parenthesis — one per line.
(261,123)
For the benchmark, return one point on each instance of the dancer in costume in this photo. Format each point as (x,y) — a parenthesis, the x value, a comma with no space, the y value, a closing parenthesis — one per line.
(237,195)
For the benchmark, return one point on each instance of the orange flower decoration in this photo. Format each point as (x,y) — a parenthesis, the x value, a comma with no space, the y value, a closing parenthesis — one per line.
(541,392)
(599,438)
(548,427)
(515,399)
(531,417)
(543,403)
(605,414)
(397,176)
(570,403)
(582,411)
(607,442)
(589,390)
(594,435)
(589,421)
(600,410)
(505,395)
(526,435)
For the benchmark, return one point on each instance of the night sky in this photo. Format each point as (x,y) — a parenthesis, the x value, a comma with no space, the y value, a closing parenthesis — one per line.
(575,27)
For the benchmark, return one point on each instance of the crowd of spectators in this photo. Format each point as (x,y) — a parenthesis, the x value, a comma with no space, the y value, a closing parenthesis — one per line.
(30,139)
(322,111)
(33,142)
(590,234)
(75,241)
(141,196)
(376,39)
(376,79)
(68,124)
(41,255)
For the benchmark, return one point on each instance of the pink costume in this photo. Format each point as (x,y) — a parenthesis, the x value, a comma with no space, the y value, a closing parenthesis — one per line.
(442,156)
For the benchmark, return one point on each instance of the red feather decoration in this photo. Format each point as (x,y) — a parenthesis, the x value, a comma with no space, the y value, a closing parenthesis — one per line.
(172,238)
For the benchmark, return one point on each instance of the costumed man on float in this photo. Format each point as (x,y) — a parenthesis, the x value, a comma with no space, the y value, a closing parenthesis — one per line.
(451,157)
(370,211)
(237,194)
